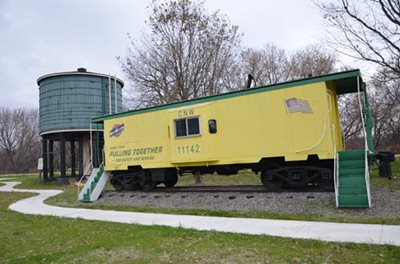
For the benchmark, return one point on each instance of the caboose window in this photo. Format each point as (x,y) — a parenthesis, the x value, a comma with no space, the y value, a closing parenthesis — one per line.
(193,126)
(187,127)
(180,128)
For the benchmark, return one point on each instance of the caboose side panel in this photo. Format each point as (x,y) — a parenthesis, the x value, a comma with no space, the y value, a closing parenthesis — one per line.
(134,140)
(263,125)
(292,123)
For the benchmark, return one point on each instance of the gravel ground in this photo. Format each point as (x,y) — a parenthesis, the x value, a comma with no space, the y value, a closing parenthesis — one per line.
(385,203)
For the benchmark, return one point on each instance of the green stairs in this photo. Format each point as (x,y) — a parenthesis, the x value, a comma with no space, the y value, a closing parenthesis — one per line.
(95,180)
(352,185)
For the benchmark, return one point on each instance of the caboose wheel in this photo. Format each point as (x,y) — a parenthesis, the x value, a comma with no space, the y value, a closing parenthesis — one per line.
(117,184)
(145,181)
(130,182)
(326,179)
(171,183)
(271,181)
(148,186)
(171,178)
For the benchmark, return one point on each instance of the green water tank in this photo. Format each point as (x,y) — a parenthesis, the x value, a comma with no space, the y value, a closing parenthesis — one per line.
(69,100)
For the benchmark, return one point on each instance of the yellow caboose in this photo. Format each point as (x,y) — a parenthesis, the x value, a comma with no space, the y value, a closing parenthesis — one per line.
(290,132)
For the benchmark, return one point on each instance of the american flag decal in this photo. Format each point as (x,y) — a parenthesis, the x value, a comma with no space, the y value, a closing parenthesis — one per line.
(294,105)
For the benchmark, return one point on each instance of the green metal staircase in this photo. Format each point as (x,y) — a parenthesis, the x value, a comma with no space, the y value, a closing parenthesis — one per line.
(94,185)
(352,180)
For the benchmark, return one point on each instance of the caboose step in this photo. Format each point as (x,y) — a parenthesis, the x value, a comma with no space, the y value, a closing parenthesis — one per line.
(352,164)
(352,155)
(352,182)
(354,200)
(352,189)
(353,172)
(94,185)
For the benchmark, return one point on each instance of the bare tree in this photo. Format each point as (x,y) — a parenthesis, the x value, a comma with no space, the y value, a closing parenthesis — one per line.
(370,30)
(312,60)
(19,139)
(188,53)
(271,65)
(268,65)
(365,29)
(386,111)
(350,121)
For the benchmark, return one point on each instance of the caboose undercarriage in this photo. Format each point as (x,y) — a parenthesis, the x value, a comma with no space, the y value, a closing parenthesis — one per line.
(274,173)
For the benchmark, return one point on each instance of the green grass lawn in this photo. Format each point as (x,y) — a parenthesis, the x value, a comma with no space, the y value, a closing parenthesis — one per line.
(43,239)
(246,177)
(393,184)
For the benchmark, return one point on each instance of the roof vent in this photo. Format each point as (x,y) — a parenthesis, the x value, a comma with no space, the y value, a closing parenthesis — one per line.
(81,70)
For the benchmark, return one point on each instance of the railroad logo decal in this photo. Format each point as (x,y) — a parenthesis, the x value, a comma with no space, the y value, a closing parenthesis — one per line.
(116,130)
(294,105)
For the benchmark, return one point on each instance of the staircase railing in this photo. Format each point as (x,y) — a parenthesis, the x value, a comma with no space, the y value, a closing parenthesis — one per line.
(88,166)
(366,176)
(335,154)
(335,167)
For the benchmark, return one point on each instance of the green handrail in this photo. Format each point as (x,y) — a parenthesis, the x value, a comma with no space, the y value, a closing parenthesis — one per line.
(368,122)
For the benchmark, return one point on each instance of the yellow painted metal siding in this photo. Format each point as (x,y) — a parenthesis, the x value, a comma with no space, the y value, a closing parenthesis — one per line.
(334,117)
(249,128)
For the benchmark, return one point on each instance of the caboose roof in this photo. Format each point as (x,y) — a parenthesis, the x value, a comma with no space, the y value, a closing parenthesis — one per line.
(345,82)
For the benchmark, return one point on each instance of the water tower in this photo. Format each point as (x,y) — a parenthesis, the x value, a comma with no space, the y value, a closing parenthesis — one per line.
(68,102)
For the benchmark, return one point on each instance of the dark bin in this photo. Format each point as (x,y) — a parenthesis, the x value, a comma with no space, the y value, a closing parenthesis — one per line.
(384,158)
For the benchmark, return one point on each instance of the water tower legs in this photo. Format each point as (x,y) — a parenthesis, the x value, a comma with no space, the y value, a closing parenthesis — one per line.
(51,159)
(44,156)
(78,155)
(63,177)
(72,146)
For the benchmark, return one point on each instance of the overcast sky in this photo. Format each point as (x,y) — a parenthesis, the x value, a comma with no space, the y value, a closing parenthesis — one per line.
(38,37)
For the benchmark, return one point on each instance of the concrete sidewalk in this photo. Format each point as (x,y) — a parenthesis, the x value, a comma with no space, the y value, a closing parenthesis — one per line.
(324,231)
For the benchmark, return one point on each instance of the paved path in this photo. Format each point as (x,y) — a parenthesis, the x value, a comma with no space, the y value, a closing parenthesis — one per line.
(336,232)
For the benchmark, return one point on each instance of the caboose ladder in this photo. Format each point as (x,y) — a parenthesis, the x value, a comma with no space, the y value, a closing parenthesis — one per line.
(353,180)
(94,185)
